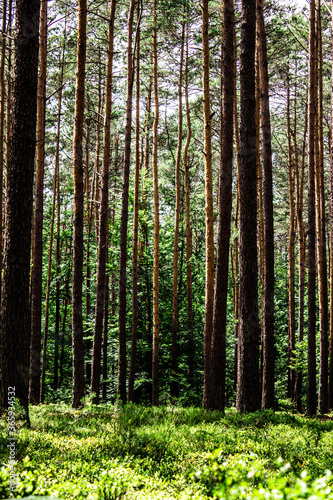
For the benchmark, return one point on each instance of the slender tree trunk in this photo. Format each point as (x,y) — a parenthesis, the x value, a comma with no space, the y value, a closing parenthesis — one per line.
(322,260)
(189,287)
(291,258)
(2,119)
(135,216)
(259,187)
(236,241)
(105,338)
(330,389)
(311,378)
(77,326)
(124,212)
(174,383)
(15,320)
(89,204)
(48,280)
(248,393)
(156,263)
(9,81)
(209,203)
(64,319)
(37,252)
(57,311)
(215,393)
(97,183)
(267,400)
(301,238)
(57,181)
(103,221)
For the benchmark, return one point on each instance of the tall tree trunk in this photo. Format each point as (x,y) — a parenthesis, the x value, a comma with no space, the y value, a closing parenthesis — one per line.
(9,81)
(48,279)
(103,221)
(57,187)
(57,301)
(174,386)
(124,212)
(77,326)
(215,393)
(209,203)
(299,177)
(89,204)
(135,216)
(189,287)
(105,338)
(15,321)
(322,261)
(267,400)
(248,393)
(236,241)
(37,252)
(2,119)
(156,263)
(96,190)
(330,389)
(311,378)
(291,257)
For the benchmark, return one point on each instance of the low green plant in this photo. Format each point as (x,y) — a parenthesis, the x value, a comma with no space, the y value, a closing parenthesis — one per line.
(143,452)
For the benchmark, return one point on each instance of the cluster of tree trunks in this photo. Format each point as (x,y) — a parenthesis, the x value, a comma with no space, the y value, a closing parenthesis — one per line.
(254,183)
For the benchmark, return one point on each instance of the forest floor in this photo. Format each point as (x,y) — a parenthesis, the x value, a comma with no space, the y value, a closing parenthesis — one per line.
(137,452)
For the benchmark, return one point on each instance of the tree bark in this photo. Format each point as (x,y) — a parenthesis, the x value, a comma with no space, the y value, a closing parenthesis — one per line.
(248,392)
(37,252)
(291,258)
(77,326)
(299,177)
(15,325)
(156,263)
(330,389)
(103,221)
(267,400)
(215,395)
(2,119)
(9,81)
(135,216)
(322,260)
(124,212)
(209,202)
(174,386)
(311,376)
(189,286)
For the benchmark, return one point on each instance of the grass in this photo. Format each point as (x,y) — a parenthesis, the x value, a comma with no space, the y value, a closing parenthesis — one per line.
(136,452)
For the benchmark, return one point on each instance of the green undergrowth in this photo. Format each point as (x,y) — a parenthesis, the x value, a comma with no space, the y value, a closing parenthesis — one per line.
(136,452)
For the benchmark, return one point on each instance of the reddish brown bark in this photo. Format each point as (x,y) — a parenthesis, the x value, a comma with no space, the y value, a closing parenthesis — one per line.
(103,221)
(267,400)
(311,378)
(174,350)
(37,252)
(189,286)
(209,202)
(156,311)
(291,258)
(124,212)
(135,216)
(215,399)
(77,277)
